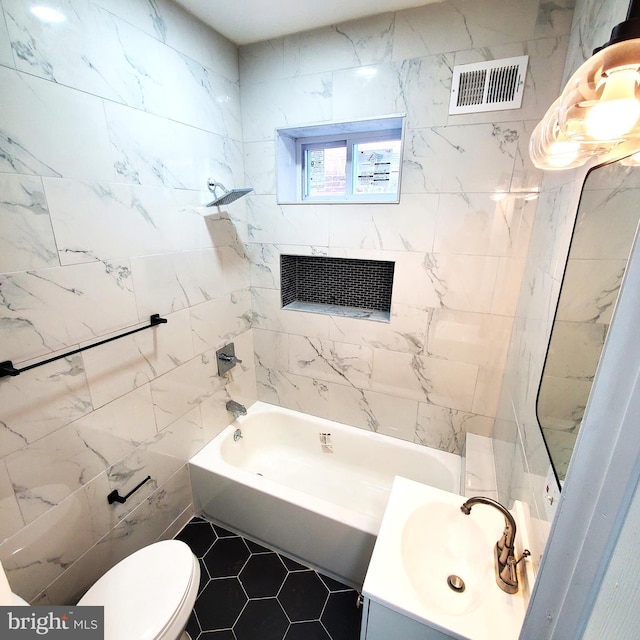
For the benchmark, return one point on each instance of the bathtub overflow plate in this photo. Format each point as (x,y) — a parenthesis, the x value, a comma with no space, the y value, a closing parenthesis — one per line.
(456,583)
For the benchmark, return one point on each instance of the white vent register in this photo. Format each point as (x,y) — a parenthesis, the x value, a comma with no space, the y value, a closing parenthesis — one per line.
(488,86)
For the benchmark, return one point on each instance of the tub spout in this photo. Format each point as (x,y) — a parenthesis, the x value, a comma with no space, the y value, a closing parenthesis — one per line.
(506,574)
(236,408)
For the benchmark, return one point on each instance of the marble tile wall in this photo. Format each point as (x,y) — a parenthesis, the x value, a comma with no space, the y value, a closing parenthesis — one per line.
(459,236)
(522,462)
(111,122)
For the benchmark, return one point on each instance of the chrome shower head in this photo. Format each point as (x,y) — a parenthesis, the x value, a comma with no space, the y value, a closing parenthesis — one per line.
(229,195)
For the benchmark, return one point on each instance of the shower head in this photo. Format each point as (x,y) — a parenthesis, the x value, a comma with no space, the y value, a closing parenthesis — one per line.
(229,195)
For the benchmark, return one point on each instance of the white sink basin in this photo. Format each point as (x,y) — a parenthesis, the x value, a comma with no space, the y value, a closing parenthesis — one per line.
(423,540)
(438,541)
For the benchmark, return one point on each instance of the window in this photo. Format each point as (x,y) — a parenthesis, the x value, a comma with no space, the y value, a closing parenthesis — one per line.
(342,162)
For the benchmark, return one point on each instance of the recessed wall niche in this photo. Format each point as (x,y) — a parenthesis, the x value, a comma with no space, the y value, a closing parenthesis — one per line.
(337,286)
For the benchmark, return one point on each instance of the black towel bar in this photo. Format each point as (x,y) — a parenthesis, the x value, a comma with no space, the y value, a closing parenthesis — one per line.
(7,368)
(114,496)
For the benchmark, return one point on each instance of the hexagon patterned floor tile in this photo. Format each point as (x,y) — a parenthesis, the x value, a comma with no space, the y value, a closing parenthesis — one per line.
(249,592)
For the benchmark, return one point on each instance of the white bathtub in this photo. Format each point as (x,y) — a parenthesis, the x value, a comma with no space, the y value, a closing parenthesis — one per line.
(312,488)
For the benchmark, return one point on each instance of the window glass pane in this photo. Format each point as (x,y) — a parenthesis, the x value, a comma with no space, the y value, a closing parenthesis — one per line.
(326,171)
(376,166)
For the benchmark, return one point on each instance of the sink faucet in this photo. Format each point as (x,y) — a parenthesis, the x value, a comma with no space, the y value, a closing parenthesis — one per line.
(506,574)
(236,408)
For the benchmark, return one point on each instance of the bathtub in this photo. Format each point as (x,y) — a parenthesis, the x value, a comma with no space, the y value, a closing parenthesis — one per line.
(312,488)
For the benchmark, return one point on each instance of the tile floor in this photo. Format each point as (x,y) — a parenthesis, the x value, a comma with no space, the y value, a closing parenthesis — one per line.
(249,592)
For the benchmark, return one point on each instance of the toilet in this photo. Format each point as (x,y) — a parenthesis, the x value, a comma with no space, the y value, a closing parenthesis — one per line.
(150,594)
(147,596)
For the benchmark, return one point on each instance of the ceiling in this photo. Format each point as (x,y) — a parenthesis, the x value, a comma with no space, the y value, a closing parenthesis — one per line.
(247,21)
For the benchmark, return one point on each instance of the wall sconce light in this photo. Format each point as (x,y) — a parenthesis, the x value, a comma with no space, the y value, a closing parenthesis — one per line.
(598,113)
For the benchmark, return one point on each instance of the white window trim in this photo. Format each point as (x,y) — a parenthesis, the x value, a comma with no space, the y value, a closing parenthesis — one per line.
(289,161)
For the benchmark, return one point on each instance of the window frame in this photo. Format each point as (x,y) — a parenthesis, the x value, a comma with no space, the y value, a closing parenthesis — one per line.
(349,141)
(291,178)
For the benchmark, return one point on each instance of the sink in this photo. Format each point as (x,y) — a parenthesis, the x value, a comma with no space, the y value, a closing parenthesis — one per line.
(425,547)
(437,542)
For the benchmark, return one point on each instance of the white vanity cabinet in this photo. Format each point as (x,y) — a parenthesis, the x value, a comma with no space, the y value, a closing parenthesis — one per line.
(381,623)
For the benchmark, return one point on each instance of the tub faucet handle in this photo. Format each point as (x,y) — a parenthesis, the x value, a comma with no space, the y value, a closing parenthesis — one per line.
(227,358)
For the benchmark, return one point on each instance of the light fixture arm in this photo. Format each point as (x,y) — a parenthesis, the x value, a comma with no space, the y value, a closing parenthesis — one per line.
(629,29)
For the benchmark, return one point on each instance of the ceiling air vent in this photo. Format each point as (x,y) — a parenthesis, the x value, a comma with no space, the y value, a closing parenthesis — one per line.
(488,86)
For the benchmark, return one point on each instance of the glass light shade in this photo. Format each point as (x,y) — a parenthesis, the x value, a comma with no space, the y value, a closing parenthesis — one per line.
(598,111)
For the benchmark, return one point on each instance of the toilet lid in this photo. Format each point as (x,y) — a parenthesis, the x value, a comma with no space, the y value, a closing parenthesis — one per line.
(142,593)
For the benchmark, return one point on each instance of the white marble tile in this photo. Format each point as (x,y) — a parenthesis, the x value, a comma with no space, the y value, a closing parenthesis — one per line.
(266,305)
(526,178)
(139,142)
(160,458)
(6,55)
(378,89)
(554,18)
(389,415)
(286,102)
(455,25)
(337,362)
(574,349)
(10,517)
(409,226)
(260,168)
(415,279)
(405,332)
(41,551)
(169,23)
(463,283)
(419,87)
(467,158)
(38,402)
(590,290)
(50,309)
(261,61)
(91,50)
(476,338)
(271,349)
(146,522)
(200,97)
(98,221)
(446,429)
(359,42)
(27,240)
(47,471)
(592,26)
(606,224)
(123,365)
(180,390)
(214,415)
(265,261)
(440,382)
(477,224)
(508,281)
(562,402)
(220,55)
(293,392)
(217,321)
(173,281)
(301,224)
(67,134)
(487,393)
